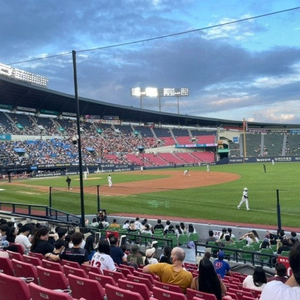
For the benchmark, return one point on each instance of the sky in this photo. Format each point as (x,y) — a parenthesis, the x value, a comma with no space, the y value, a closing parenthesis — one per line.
(243,70)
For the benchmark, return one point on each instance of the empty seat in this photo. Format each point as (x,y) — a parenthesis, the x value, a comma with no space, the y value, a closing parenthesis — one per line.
(90,289)
(116,293)
(23,269)
(103,279)
(168,286)
(162,294)
(35,254)
(143,280)
(51,279)
(140,288)
(114,274)
(35,261)
(75,271)
(73,264)
(52,265)
(13,288)
(192,293)
(41,293)
(88,268)
(15,255)
(6,266)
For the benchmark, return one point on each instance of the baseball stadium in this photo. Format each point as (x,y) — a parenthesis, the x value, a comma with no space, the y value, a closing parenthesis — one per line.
(181,168)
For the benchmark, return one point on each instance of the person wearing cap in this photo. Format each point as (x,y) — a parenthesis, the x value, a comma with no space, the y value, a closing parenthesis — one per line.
(149,259)
(174,273)
(244,199)
(222,267)
(135,257)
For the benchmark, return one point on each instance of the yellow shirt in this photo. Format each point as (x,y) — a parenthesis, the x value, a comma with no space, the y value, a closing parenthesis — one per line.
(167,274)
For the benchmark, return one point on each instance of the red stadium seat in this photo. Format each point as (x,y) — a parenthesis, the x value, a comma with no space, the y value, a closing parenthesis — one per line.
(192,293)
(51,279)
(162,294)
(168,286)
(41,293)
(35,261)
(88,268)
(13,288)
(26,270)
(116,293)
(140,288)
(6,266)
(74,271)
(52,265)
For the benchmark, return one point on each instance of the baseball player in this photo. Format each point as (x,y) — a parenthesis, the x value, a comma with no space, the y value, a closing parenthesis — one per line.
(244,199)
(109,180)
(186,173)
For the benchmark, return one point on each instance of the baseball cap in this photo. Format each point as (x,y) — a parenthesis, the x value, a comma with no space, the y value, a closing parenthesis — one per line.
(221,254)
(245,189)
(150,252)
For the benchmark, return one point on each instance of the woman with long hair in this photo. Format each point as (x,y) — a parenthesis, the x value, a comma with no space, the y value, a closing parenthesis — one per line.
(40,242)
(166,257)
(257,281)
(208,280)
(89,246)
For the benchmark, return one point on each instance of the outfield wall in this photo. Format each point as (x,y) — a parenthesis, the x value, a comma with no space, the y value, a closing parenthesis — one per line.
(238,160)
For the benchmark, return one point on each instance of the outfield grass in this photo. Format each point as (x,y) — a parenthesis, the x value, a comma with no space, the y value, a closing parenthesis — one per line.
(216,202)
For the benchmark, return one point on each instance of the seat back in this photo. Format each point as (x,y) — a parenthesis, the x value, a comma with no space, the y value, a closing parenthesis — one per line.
(34,254)
(52,279)
(6,266)
(162,294)
(192,293)
(23,269)
(103,279)
(124,271)
(114,274)
(168,286)
(52,265)
(75,271)
(73,264)
(35,261)
(15,255)
(140,288)
(144,275)
(116,293)
(13,288)
(90,289)
(88,268)
(19,246)
(146,281)
(41,293)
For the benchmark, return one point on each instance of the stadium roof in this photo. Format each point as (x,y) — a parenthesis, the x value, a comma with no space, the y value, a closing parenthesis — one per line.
(20,94)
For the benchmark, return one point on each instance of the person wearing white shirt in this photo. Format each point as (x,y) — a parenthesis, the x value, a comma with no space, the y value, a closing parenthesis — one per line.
(23,239)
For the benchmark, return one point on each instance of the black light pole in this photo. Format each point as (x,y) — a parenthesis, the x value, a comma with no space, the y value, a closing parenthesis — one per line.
(78,139)
(278,212)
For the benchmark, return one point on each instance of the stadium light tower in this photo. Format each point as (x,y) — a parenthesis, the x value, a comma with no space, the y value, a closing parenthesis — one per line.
(159,93)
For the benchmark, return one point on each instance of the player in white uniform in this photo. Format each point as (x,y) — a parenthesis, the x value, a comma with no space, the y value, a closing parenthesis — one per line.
(109,180)
(186,172)
(101,259)
(244,199)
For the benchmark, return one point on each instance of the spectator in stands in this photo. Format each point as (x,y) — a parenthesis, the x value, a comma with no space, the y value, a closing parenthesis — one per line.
(89,246)
(158,225)
(170,229)
(222,267)
(280,273)
(40,242)
(293,239)
(116,252)
(59,247)
(126,224)
(249,237)
(135,258)
(229,232)
(191,229)
(137,223)
(132,226)
(149,257)
(4,231)
(178,230)
(168,223)
(285,246)
(114,225)
(166,256)
(265,244)
(102,258)
(146,230)
(277,290)
(211,237)
(208,281)
(257,281)
(175,273)
(22,238)
(183,227)
(75,253)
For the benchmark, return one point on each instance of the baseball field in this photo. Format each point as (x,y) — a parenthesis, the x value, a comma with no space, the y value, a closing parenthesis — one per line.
(203,195)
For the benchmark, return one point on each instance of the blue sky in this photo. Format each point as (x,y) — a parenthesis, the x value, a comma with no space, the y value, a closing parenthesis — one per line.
(248,69)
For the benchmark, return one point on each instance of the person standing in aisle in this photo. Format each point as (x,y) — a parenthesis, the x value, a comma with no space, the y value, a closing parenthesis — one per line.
(244,199)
